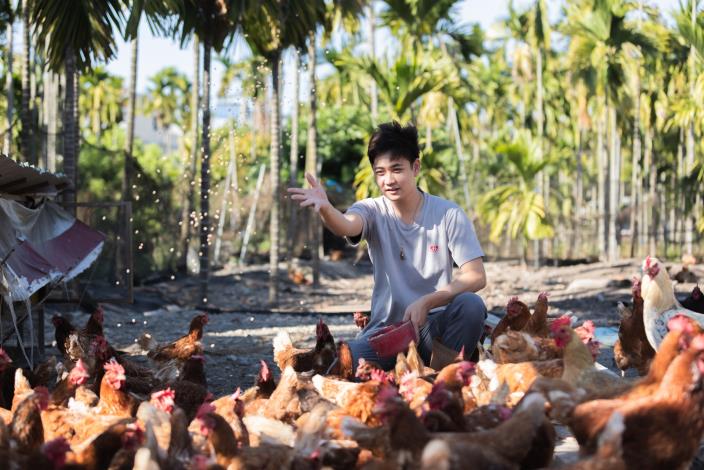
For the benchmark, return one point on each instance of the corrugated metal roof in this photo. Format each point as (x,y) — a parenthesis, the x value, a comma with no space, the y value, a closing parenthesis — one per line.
(21,179)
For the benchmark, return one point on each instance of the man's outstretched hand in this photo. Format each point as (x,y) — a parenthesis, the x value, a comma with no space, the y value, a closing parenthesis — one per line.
(315,196)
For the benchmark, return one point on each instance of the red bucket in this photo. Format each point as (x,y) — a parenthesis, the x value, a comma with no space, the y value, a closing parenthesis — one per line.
(393,339)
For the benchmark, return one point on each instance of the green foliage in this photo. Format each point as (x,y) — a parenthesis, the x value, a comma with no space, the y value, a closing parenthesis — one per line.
(101,100)
(154,208)
(514,207)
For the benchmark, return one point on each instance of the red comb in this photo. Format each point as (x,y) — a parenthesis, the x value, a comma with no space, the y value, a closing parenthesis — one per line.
(558,323)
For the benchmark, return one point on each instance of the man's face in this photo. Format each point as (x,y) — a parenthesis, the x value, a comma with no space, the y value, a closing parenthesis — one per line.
(396,177)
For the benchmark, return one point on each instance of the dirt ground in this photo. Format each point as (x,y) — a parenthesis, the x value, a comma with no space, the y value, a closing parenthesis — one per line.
(241,326)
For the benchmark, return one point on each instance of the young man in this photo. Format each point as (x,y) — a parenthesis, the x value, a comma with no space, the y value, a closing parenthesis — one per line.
(413,239)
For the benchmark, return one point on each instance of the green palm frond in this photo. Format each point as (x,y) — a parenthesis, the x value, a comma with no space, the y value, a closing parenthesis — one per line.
(86,27)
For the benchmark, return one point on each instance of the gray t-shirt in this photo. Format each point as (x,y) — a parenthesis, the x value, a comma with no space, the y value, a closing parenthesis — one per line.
(442,233)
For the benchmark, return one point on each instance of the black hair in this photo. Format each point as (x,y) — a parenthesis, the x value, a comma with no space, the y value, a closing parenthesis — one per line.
(391,137)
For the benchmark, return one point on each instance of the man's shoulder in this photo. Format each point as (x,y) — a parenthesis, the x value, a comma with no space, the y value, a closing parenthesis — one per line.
(441,205)
(373,203)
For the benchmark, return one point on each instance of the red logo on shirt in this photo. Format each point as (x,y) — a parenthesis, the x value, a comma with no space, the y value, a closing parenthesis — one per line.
(434,248)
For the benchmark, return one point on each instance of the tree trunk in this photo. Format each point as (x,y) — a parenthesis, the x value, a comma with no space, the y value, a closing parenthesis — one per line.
(644,201)
(274,178)
(679,226)
(188,219)
(635,174)
(689,215)
(69,128)
(235,212)
(129,141)
(204,251)
(614,173)
(51,102)
(372,52)
(293,163)
(252,213)
(223,204)
(312,156)
(543,188)
(26,111)
(578,194)
(9,87)
(455,123)
(601,187)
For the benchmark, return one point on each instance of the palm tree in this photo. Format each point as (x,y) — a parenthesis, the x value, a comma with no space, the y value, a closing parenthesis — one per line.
(74,37)
(101,99)
(270,31)
(515,208)
(7,18)
(602,42)
(26,110)
(154,11)
(213,22)
(167,97)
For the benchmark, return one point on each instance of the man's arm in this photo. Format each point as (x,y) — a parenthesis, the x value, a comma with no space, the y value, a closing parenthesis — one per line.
(471,278)
(344,225)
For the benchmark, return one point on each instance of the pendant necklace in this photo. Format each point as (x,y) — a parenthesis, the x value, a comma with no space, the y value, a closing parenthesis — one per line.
(401,253)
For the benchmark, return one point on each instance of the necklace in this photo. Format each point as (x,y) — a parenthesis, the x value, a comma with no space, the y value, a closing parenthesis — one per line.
(401,254)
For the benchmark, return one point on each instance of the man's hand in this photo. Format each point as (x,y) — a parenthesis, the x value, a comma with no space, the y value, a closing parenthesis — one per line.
(417,312)
(315,196)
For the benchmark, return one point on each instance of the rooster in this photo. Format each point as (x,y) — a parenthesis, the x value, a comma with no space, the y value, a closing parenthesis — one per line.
(182,348)
(318,359)
(659,302)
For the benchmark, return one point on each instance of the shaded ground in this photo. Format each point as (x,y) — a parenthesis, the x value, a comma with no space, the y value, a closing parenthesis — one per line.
(240,336)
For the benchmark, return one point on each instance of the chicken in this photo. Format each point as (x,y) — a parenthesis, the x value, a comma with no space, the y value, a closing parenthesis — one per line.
(26,428)
(609,455)
(664,430)
(514,346)
(256,397)
(659,302)
(361,320)
(189,389)
(62,330)
(516,318)
(94,325)
(180,449)
(414,390)
(318,359)
(114,399)
(538,323)
(343,365)
(443,410)
(587,419)
(525,440)
(292,397)
(632,348)
(221,438)
(99,452)
(7,380)
(67,387)
(184,347)
(694,301)
(578,361)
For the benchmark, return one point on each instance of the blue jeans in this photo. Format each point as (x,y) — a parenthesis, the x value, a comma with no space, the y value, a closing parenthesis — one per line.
(460,324)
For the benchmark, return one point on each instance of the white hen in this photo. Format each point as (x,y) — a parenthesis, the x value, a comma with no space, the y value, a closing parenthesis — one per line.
(659,302)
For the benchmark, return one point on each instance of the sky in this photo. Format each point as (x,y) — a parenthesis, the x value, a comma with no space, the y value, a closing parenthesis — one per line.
(156,53)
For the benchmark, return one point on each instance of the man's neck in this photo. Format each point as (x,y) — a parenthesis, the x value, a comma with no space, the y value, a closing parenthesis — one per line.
(406,208)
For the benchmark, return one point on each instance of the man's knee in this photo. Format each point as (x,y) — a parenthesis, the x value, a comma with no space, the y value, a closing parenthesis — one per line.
(471,307)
